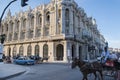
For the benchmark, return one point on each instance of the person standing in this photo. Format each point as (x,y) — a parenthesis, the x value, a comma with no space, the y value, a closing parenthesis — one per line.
(113,56)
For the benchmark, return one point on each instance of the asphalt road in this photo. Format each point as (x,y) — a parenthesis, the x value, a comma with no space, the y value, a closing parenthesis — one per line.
(52,72)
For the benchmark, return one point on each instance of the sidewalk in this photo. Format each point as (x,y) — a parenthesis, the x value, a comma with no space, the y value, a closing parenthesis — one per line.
(10,70)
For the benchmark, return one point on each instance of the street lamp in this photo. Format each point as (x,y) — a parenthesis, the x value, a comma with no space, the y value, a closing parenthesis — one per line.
(23,3)
(2,36)
(5,10)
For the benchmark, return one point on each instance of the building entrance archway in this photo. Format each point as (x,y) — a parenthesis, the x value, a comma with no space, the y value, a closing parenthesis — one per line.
(59,52)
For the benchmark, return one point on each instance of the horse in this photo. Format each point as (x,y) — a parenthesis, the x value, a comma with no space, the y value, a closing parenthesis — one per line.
(87,68)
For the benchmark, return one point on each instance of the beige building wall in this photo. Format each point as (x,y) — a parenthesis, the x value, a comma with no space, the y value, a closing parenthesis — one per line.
(61,25)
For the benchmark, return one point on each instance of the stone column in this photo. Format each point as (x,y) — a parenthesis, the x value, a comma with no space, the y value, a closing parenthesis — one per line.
(14,29)
(8,32)
(51,52)
(35,19)
(26,28)
(65,52)
(43,21)
(33,49)
(19,30)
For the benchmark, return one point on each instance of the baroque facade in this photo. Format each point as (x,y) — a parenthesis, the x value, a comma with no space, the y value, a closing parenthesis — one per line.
(57,29)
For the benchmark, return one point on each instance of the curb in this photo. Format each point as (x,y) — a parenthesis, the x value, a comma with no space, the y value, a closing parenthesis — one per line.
(11,76)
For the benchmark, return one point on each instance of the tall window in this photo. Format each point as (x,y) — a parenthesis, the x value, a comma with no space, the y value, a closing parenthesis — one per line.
(21,49)
(32,22)
(37,50)
(24,23)
(59,52)
(48,17)
(67,21)
(45,50)
(14,51)
(38,29)
(40,20)
(46,28)
(29,50)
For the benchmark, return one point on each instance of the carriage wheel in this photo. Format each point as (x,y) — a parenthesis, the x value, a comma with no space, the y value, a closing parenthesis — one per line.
(112,75)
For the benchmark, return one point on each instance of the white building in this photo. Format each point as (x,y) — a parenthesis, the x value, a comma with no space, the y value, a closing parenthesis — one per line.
(53,30)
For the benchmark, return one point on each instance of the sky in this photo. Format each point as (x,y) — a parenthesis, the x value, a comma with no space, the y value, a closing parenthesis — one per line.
(106,13)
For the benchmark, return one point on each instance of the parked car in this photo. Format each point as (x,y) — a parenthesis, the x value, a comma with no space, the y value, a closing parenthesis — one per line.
(24,61)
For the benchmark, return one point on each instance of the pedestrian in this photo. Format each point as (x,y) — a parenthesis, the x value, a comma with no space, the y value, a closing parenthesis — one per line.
(4,57)
(113,56)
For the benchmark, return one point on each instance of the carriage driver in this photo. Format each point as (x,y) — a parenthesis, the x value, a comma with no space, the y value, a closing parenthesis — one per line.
(105,55)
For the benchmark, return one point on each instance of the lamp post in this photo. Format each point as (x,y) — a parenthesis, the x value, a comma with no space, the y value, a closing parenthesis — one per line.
(5,10)
(23,3)
(2,36)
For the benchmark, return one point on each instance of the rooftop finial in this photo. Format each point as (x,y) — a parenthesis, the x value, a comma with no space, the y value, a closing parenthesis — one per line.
(9,13)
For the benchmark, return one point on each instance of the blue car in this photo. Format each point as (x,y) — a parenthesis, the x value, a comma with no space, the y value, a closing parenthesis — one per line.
(24,61)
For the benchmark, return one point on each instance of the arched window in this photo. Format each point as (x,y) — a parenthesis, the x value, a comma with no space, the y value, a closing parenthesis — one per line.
(67,14)
(45,50)
(29,50)
(14,51)
(40,20)
(59,52)
(32,22)
(37,50)
(24,23)
(67,21)
(21,49)
(48,17)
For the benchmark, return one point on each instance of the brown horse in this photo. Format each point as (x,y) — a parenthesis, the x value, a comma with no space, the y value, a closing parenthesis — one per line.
(87,68)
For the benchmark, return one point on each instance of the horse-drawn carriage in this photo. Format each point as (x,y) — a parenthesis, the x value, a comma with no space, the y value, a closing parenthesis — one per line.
(94,67)
(111,68)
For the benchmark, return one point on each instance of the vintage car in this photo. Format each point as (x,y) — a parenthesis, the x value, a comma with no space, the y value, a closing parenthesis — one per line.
(24,61)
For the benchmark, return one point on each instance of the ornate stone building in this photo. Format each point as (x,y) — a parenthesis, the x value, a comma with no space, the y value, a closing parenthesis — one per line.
(58,29)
